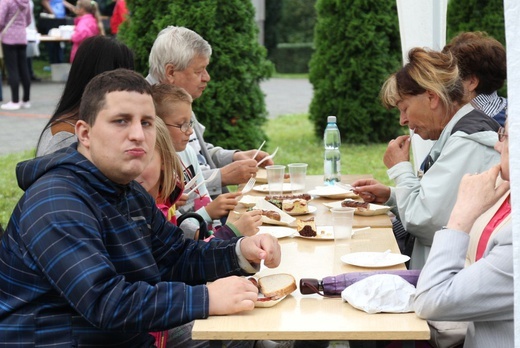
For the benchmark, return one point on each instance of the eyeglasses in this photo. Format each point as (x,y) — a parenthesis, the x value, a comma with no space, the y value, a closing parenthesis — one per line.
(502,134)
(185,127)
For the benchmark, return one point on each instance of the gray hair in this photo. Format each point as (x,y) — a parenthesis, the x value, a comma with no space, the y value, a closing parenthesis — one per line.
(176,46)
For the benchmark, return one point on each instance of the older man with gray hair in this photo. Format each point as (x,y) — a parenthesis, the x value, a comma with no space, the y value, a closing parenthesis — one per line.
(180,56)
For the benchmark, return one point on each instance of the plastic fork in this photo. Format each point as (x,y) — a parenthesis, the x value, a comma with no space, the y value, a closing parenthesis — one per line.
(248,186)
(215,172)
(192,181)
(260,148)
(268,157)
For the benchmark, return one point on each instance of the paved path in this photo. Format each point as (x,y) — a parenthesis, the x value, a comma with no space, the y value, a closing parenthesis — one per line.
(19,130)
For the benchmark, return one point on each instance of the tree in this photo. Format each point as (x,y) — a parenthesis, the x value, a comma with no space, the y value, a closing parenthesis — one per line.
(232,108)
(357,46)
(476,15)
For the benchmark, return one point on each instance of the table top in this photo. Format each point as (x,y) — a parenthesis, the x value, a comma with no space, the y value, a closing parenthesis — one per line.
(301,317)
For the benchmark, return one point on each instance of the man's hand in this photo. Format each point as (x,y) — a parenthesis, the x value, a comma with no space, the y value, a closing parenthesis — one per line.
(261,247)
(231,295)
(243,155)
(238,172)
(222,205)
(477,193)
(249,222)
(398,151)
(371,191)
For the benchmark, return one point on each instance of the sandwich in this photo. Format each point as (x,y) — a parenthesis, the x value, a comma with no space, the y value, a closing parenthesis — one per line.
(273,288)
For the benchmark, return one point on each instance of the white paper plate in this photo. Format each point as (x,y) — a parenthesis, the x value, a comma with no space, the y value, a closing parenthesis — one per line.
(277,231)
(333,192)
(373,209)
(267,304)
(312,210)
(285,219)
(249,201)
(265,188)
(322,233)
(374,259)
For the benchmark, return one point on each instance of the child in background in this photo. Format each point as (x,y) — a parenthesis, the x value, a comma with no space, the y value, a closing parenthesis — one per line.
(173,106)
(161,178)
(87,23)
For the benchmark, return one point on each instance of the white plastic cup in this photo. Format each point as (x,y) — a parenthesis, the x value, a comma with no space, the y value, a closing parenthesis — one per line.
(298,174)
(342,221)
(275,179)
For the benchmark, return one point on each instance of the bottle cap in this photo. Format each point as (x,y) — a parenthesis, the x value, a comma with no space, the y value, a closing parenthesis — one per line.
(331,119)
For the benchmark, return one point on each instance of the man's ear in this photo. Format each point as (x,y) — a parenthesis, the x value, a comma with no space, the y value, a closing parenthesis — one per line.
(83,133)
(472,83)
(169,72)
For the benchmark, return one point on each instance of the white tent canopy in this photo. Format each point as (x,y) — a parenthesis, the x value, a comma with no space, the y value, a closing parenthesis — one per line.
(512,13)
(423,23)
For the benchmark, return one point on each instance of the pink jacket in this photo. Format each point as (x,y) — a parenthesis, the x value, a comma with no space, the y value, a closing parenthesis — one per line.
(86,26)
(15,34)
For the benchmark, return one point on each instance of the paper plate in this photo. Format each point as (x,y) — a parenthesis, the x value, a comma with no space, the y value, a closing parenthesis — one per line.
(332,192)
(322,233)
(373,209)
(374,259)
(267,304)
(277,231)
(265,188)
(285,219)
(249,201)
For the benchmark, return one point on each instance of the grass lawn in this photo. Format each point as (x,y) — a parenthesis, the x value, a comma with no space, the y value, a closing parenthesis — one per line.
(294,135)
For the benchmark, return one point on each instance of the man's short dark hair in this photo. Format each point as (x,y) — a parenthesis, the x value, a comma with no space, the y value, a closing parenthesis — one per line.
(94,96)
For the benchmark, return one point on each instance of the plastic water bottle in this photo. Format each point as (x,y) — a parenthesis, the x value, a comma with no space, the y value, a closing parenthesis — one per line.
(331,162)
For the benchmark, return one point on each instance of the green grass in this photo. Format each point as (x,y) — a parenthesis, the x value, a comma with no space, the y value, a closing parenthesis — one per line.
(9,191)
(38,65)
(294,134)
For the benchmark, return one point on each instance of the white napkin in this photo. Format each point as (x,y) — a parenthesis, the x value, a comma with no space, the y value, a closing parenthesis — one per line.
(381,293)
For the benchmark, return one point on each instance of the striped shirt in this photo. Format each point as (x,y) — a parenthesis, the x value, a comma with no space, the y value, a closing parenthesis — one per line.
(85,262)
(490,104)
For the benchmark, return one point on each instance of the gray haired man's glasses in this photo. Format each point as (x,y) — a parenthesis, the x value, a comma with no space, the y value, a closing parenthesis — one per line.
(185,127)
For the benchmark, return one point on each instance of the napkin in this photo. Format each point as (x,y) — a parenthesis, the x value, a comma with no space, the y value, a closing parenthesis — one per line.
(381,293)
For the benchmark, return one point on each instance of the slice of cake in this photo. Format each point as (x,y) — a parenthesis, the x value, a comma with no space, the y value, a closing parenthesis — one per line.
(295,206)
(306,228)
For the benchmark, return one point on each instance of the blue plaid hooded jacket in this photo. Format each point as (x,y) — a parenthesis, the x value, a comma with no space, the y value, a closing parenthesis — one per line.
(85,262)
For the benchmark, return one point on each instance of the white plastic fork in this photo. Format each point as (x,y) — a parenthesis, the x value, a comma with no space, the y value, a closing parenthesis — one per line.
(248,186)
(258,151)
(192,181)
(215,172)
(268,157)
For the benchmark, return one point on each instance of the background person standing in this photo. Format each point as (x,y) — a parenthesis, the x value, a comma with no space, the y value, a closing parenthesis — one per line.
(15,16)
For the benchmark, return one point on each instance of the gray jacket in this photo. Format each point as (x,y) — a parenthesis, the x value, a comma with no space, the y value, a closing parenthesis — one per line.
(424,204)
(481,293)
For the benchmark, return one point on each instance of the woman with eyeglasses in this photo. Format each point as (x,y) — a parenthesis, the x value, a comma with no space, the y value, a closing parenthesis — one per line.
(481,293)
(429,94)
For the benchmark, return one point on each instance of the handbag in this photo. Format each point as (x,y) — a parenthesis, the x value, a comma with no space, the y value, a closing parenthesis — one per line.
(5,29)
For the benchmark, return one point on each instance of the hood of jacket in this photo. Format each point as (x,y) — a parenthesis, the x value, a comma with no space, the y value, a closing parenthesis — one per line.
(67,161)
